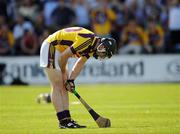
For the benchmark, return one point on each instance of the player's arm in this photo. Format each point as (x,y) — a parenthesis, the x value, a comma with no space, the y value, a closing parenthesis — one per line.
(70,86)
(78,66)
(64,58)
(78,46)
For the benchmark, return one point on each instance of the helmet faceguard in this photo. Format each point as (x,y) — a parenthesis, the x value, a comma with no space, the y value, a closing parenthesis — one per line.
(107,47)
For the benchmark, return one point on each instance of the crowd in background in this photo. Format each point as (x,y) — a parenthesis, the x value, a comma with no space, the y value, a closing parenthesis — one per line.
(139,26)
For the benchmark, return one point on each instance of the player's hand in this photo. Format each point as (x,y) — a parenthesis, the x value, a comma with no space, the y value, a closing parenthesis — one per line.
(70,86)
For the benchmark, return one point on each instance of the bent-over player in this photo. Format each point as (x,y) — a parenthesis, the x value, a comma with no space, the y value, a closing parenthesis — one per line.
(54,54)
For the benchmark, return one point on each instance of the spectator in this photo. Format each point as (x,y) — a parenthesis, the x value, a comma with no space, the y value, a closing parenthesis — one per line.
(156,37)
(19,30)
(43,36)
(164,14)
(3,7)
(2,19)
(6,40)
(174,27)
(19,27)
(82,13)
(133,9)
(39,25)
(29,44)
(62,16)
(140,3)
(92,3)
(119,9)
(49,7)
(133,39)
(12,9)
(28,9)
(102,19)
(152,10)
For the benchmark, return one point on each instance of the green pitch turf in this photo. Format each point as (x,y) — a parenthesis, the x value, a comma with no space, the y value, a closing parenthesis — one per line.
(133,109)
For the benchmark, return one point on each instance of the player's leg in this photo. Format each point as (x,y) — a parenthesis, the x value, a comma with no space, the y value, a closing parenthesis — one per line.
(55,79)
(49,60)
(64,92)
(65,98)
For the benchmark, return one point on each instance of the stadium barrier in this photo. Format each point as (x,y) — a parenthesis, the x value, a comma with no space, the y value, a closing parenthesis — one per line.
(128,69)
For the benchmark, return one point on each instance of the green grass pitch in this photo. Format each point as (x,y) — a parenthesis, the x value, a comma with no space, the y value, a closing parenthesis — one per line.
(132,108)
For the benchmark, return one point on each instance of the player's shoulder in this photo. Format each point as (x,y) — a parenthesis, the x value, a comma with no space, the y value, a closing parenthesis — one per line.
(77,29)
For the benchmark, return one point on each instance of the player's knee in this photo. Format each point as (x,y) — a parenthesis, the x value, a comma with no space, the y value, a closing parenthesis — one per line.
(56,85)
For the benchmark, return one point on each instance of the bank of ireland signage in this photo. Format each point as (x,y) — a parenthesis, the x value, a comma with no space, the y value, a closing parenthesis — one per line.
(118,69)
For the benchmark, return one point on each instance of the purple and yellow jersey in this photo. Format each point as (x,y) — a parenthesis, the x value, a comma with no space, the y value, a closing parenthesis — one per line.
(80,40)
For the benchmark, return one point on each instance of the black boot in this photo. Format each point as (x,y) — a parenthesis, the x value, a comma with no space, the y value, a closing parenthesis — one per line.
(78,126)
(68,123)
